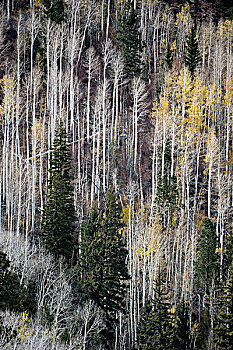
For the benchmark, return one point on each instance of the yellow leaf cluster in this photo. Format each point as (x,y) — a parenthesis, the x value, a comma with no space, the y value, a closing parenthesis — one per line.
(228,98)
(212,146)
(184,17)
(38,4)
(125,214)
(8,104)
(24,330)
(225,28)
(194,328)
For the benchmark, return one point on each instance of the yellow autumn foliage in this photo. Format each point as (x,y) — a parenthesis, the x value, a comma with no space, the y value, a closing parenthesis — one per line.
(23,330)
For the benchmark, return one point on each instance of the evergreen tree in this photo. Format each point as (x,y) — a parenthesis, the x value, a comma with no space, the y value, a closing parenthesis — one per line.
(55,10)
(156,329)
(167,193)
(203,331)
(227,259)
(207,266)
(168,57)
(129,41)
(226,7)
(224,317)
(10,289)
(102,269)
(192,57)
(59,212)
(181,340)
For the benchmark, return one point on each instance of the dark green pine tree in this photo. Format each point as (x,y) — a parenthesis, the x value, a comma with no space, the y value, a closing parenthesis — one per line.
(167,192)
(87,257)
(224,317)
(156,326)
(227,259)
(101,264)
(207,267)
(192,57)
(203,331)
(10,289)
(54,9)
(59,212)
(182,339)
(129,41)
(226,8)
(168,57)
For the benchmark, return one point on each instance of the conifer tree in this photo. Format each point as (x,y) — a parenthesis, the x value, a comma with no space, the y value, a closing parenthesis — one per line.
(203,331)
(192,57)
(54,9)
(224,317)
(167,193)
(168,57)
(156,329)
(10,289)
(207,266)
(227,259)
(59,212)
(181,340)
(101,265)
(129,41)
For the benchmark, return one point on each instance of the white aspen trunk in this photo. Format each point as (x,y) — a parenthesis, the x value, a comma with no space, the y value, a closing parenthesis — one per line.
(102,15)
(79,146)
(54,87)
(107,57)
(117,112)
(34,156)
(227,138)
(98,156)
(8,10)
(209,184)
(72,89)
(61,73)
(153,174)
(135,126)
(144,275)
(0,203)
(93,161)
(48,64)
(27,167)
(18,153)
(108,17)
(91,62)
(173,142)
(88,103)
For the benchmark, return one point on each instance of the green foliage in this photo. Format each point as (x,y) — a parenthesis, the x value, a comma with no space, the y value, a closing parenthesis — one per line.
(55,10)
(227,258)
(207,266)
(192,57)
(101,265)
(167,192)
(224,317)
(181,340)
(29,297)
(203,331)
(156,329)
(226,7)
(10,289)
(168,57)
(59,213)
(129,40)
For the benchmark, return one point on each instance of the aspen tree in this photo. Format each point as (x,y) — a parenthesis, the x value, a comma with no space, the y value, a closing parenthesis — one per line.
(107,57)
(139,105)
